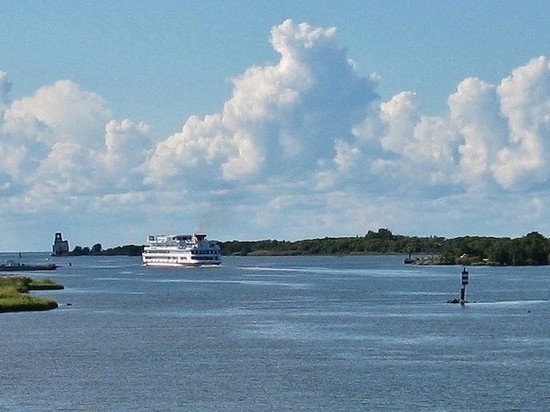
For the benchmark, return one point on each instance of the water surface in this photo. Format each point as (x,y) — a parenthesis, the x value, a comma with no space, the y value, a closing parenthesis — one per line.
(280,333)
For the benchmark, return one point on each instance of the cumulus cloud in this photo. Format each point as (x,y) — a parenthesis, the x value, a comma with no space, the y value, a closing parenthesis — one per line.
(492,136)
(525,103)
(304,145)
(59,112)
(62,142)
(282,120)
(127,147)
(475,114)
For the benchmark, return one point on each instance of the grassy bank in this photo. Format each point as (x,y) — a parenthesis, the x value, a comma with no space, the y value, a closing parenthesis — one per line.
(14,294)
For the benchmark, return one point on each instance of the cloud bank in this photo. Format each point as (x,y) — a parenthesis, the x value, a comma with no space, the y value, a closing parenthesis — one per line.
(303,147)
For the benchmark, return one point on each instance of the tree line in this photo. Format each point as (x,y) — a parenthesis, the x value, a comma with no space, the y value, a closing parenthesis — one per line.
(531,249)
(97,249)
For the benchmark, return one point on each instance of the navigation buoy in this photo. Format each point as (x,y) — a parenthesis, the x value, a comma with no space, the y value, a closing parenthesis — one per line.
(463,286)
(463,283)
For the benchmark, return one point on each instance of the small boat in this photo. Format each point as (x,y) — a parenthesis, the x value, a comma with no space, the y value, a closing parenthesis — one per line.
(181,250)
(11,266)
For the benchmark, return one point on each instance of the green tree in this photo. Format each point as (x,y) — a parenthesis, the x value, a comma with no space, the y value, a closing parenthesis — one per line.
(77,251)
(499,252)
(536,248)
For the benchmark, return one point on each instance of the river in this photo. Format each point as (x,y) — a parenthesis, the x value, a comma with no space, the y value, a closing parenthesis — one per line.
(280,333)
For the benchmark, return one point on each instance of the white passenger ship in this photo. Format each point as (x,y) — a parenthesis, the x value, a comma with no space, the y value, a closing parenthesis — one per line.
(181,250)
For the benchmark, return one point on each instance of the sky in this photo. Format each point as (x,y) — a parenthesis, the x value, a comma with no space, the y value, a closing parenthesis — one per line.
(279,119)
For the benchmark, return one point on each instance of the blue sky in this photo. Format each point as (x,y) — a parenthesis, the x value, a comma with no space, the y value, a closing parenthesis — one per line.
(275,119)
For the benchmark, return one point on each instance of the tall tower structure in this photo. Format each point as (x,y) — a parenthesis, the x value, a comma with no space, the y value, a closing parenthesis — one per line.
(60,246)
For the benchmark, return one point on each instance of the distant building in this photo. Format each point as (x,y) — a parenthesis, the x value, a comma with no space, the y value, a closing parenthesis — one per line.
(60,246)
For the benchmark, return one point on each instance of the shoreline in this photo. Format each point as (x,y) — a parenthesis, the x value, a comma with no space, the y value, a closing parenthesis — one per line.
(15,297)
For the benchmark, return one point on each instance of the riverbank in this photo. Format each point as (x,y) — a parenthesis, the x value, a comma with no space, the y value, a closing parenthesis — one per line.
(14,294)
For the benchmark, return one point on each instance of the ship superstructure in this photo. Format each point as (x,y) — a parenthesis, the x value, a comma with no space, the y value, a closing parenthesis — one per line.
(181,250)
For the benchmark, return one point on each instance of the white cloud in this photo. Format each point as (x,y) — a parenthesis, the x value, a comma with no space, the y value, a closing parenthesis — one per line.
(491,135)
(282,120)
(127,147)
(475,113)
(60,144)
(400,115)
(525,102)
(60,112)
(303,147)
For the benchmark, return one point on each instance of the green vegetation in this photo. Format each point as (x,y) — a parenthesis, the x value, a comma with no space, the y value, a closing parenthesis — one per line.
(532,249)
(85,251)
(126,250)
(14,295)
(382,242)
(44,284)
(97,249)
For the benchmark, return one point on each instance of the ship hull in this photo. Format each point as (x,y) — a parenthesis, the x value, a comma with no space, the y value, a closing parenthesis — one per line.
(178,265)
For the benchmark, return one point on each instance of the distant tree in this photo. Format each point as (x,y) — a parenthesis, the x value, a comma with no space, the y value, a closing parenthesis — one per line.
(127,250)
(532,249)
(96,249)
(499,252)
(382,233)
(536,248)
(77,251)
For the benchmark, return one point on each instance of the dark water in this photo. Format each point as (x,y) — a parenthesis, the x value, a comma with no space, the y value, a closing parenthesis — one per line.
(283,333)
